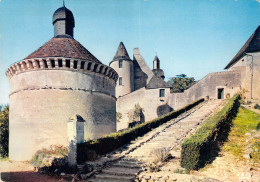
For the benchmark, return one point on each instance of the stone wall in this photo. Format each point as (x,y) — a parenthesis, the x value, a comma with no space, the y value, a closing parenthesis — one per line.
(43,100)
(230,81)
(244,65)
(148,99)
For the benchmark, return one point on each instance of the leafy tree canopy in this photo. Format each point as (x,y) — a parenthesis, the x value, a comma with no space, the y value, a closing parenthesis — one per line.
(181,82)
(4,131)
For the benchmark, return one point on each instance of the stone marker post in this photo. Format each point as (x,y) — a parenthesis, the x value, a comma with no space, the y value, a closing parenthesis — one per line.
(75,136)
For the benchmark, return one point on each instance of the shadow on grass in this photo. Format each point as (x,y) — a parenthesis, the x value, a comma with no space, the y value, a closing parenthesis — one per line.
(211,150)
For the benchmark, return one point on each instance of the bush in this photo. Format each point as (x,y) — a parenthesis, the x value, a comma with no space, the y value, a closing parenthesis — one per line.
(257,106)
(197,150)
(4,131)
(115,140)
(46,157)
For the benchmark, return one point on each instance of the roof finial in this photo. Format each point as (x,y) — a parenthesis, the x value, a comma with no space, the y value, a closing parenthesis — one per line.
(156,53)
(63,3)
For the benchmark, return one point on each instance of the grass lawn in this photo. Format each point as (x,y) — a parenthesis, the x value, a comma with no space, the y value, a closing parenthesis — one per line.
(240,135)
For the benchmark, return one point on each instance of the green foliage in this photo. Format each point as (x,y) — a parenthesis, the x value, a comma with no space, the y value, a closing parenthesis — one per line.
(199,148)
(135,114)
(4,131)
(257,106)
(115,140)
(181,171)
(244,123)
(180,83)
(45,157)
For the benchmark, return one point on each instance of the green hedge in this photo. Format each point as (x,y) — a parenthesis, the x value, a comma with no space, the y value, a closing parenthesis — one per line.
(202,147)
(115,140)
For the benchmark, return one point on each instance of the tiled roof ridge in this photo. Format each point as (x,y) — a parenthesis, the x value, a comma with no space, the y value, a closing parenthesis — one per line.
(64,46)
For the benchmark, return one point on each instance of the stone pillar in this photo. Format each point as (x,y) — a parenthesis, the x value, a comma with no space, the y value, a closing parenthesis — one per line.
(75,136)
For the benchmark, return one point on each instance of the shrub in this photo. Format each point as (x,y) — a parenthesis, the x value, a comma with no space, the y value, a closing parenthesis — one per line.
(45,157)
(115,140)
(118,116)
(200,147)
(227,95)
(4,131)
(134,115)
(159,156)
(257,106)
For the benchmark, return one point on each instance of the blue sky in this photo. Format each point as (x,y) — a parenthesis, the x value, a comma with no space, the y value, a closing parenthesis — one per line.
(194,37)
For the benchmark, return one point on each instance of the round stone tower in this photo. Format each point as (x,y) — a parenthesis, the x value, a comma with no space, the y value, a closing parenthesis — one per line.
(60,79)
(123,65)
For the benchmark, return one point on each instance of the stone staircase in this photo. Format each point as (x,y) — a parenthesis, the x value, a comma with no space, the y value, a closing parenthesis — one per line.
(124,170)
(130,160)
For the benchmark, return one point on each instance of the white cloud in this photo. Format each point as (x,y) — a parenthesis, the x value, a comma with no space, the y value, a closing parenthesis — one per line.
(258,1)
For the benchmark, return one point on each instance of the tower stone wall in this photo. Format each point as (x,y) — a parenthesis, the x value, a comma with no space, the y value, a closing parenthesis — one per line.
(43,99)
(126,75)
(123,65)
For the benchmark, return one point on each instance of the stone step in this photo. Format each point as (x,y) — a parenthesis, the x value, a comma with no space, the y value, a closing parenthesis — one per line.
(127,159)
(126,165)
(119,171)
(113,178)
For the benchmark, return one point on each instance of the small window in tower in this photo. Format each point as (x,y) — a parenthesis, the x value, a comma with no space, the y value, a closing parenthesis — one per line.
(120,81)
(121,64)
(162,92)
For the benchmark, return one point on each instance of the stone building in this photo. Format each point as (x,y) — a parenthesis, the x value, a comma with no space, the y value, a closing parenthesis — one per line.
(153,95)
(138,84)
(58,80)
(62,79)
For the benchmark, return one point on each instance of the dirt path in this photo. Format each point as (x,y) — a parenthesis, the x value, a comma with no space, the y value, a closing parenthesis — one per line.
(21,172)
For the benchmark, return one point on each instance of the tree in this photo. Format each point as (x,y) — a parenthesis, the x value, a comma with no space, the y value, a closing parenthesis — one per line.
(4,131)
(180,83)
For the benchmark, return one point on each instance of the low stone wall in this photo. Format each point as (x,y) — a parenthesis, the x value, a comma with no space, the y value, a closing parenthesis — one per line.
(230,81)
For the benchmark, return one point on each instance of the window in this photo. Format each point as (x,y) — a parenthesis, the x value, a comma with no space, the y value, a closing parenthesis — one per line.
(120,81)
(162,92)
(120,64)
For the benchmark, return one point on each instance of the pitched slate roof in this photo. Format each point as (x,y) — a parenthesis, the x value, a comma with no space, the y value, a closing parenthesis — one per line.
(252,45)
(157,82)
(63,46)
(121,52)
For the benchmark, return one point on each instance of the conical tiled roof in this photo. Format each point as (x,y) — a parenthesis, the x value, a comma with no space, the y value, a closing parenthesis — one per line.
(121,52)
(63,46)
(252,45)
